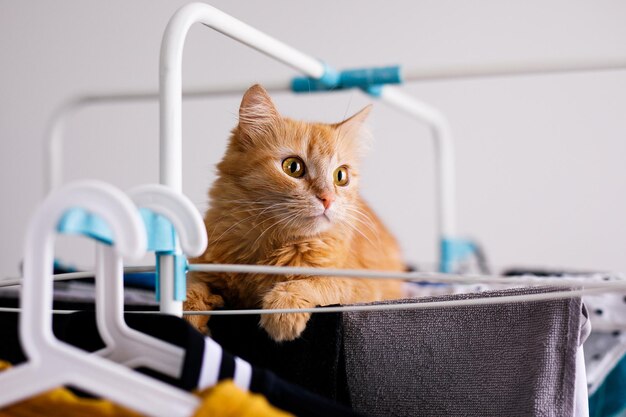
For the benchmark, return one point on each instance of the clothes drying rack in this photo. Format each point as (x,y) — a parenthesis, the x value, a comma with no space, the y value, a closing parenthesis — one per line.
(171,94)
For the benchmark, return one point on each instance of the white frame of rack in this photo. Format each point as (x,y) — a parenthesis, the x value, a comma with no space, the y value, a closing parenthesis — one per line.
(171,94)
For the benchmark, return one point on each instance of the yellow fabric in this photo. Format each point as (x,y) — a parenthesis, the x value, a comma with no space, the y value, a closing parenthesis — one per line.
(227,400)
(223,400)
(61,402)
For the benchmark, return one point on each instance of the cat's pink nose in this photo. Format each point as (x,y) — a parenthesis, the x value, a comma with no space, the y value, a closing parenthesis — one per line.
(326,199)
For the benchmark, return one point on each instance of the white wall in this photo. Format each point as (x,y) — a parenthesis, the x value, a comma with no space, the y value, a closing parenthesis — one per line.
(541,159)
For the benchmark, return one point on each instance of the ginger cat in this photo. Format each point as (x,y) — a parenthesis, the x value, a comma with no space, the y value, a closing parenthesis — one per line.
(287,194)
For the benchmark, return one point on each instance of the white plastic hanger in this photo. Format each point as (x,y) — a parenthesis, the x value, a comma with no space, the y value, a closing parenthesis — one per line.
(52,363)
(124,344)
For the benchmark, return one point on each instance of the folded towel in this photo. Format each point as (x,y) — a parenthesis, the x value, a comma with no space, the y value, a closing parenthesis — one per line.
(490,360)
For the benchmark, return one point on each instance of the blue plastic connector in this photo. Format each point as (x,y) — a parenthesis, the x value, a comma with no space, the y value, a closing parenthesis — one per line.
(370,80)
(180,277)
(453,251)
(161,239)
(366,77)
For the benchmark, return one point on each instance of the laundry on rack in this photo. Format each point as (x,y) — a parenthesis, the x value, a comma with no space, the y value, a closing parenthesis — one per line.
(205,363)
(223,400)
(499,359)
(312,361)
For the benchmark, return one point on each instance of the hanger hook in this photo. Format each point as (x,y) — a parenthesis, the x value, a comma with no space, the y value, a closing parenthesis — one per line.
(97,197)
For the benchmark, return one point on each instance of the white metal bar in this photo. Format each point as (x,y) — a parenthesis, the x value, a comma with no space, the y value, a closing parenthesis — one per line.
(580,287)
(507,69)
(171,74)
(444,155)
(434,277)
(166,286)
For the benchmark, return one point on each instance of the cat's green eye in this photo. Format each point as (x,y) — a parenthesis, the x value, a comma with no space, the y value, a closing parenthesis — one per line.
(340,176)
(294,167)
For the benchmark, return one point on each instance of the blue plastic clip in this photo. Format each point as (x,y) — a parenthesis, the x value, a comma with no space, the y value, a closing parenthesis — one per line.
(161,232)
(453,251)
(370,80)
(77,221)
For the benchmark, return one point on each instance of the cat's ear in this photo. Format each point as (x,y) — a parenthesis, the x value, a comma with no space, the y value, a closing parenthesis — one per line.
(257,113)
(353,125)
(354,130)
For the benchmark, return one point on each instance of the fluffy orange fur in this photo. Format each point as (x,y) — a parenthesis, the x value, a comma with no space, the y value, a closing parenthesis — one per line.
(261,215)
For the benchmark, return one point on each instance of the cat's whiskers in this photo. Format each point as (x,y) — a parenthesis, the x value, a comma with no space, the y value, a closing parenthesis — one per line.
(230,213)
(363,218)
(288,221)
(260,201)
(269,228)
(256,215)
(256,225)
(218,221)
(356,229)
(227,230)
(291,220)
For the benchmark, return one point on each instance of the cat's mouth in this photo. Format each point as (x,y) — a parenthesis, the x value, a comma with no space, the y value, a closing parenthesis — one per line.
(321,217)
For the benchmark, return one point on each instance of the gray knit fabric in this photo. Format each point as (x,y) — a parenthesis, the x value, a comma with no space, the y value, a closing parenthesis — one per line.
(493,360)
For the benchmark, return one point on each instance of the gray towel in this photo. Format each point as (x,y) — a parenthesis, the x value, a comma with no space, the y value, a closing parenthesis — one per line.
(492,360)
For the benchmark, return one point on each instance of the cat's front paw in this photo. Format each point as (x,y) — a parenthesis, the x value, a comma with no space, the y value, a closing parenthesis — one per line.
(200,298)
(288,326)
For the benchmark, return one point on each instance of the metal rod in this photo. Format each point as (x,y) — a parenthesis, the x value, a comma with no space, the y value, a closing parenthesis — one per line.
(506,299)
(479,301)
(431,277)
